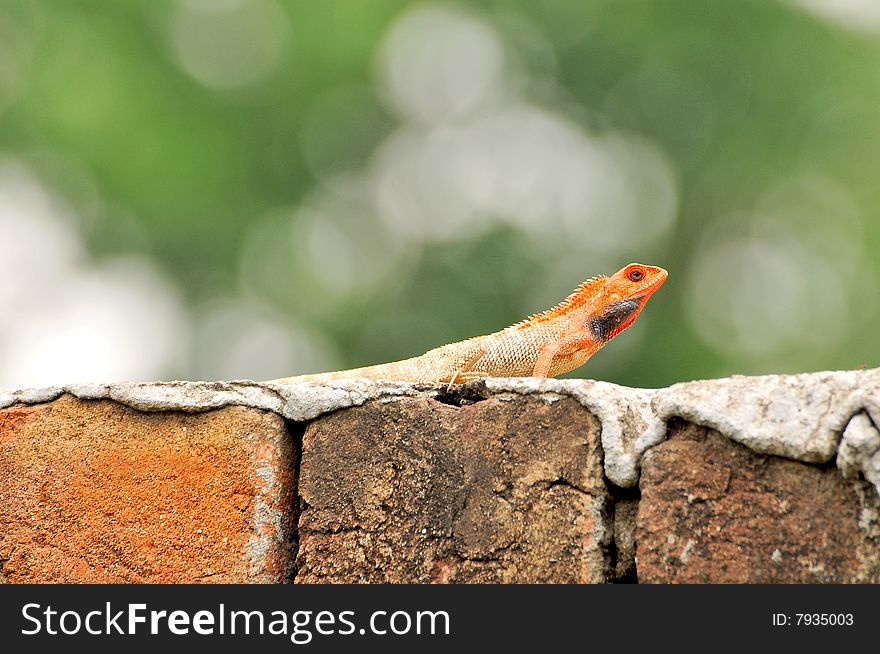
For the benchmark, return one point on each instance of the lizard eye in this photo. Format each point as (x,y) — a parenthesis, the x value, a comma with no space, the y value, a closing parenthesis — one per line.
(636,275)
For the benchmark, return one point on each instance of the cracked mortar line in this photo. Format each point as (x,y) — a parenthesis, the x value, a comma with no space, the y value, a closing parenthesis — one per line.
(809,417)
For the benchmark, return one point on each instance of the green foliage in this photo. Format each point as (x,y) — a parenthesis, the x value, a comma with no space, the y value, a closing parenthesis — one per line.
(232,187)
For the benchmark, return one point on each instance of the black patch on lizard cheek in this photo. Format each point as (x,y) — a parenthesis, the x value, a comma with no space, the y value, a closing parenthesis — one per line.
(602,327)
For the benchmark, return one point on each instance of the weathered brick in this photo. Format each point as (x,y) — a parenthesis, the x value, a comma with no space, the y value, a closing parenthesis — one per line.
(713,511)
(509,489)
(91,491)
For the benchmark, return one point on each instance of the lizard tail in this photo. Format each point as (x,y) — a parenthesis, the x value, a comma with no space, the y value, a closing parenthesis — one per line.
(406,370)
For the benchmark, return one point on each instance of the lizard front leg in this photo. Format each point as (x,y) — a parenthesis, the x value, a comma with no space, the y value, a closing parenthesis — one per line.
(564,346)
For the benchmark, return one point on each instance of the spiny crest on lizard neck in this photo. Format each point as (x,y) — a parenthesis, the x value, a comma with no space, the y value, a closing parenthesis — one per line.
(581,295)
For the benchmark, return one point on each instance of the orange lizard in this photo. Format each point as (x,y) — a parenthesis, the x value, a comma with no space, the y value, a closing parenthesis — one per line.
(545,344)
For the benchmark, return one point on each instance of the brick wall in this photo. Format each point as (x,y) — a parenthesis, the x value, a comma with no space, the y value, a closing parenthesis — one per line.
(761,479)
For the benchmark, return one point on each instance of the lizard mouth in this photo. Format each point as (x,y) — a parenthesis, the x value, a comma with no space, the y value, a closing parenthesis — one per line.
(653,287)
(641,299)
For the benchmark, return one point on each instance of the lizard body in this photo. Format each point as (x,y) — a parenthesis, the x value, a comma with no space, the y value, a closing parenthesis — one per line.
(545,344)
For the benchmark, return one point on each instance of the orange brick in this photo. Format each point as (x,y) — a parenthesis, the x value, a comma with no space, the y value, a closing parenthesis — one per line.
(94,492)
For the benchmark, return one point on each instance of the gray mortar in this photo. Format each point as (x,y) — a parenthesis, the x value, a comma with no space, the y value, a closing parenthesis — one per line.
(809,417)
(859,451)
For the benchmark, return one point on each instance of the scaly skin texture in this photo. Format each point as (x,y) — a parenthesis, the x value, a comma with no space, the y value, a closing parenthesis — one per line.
(543,345)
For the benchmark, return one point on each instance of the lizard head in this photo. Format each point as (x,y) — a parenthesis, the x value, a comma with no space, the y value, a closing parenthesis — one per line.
(623,297)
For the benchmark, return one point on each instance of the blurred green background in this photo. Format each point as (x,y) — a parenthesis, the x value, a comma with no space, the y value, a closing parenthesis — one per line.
(211,189)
